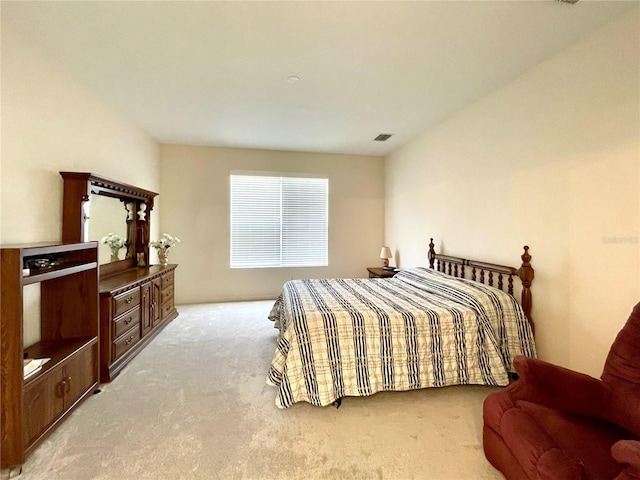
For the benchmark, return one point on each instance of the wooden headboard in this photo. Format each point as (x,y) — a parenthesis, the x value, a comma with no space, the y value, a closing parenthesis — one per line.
(489,273)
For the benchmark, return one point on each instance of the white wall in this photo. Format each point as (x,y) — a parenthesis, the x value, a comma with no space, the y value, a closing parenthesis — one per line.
(195,192)
(551,160)
(51,124)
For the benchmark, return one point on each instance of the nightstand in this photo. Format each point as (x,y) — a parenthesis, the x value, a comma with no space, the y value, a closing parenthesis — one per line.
(379,272)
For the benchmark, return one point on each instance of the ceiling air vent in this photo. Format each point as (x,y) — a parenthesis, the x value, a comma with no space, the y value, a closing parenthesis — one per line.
(383,137)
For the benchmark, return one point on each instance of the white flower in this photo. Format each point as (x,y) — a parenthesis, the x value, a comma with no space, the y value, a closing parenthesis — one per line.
(113,241)
(166,242)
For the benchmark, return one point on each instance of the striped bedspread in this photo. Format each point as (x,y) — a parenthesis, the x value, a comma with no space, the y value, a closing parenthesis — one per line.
(421,328)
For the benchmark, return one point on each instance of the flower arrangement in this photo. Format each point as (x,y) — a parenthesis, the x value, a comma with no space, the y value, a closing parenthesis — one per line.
(113,241)
(163,246)
(166,242)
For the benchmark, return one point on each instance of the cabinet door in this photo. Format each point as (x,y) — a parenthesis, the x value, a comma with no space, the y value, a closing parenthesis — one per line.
(43,403)
(146,318)
(78,375)
(156,299)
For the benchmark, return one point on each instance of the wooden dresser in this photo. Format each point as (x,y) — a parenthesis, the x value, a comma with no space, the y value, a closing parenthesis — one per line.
(135,304)
(135,301)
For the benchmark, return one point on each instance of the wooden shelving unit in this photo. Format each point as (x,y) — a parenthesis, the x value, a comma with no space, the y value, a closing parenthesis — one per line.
(69,311)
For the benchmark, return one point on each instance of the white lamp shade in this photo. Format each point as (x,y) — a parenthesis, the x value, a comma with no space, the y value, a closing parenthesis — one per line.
(385,253)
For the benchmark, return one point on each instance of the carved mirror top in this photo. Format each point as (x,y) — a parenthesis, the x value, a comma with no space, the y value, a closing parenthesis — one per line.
(136,205)
(112,188)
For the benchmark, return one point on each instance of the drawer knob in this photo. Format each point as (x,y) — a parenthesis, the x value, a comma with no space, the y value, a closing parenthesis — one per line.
(128,300)
(129,340)
(65,385)
(128,321)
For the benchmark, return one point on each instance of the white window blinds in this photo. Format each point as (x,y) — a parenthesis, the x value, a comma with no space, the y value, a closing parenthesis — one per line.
(279,221)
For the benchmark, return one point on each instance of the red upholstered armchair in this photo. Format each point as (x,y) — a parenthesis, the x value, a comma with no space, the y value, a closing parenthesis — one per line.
(557,424)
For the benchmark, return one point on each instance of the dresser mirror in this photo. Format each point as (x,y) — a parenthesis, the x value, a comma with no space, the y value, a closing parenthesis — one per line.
(107,215)
(94,206)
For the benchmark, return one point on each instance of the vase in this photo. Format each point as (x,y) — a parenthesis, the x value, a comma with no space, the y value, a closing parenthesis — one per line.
(115,254)
(163,255)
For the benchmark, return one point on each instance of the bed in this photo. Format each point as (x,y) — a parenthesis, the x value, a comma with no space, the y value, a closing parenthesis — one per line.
(454,323)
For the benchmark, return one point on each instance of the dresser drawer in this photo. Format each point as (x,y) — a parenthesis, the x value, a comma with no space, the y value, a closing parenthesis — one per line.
(166,296)
(126,321)
(167,280)
(167,309)
(126,342)
(125,301)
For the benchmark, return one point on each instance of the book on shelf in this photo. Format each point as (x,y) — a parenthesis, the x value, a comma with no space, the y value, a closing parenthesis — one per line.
(33,365)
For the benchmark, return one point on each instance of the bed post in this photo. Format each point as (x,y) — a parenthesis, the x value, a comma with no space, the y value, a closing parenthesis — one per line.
(525,272)
(432,254)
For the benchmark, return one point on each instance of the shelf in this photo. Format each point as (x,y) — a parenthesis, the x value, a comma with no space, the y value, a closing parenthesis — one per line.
(50,248)
(57,352)
(57,271)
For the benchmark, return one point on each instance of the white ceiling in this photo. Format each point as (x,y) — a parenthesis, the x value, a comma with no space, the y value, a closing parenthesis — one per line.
(215,73)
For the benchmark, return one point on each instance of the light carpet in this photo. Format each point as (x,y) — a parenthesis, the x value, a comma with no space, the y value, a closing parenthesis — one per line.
(194,405)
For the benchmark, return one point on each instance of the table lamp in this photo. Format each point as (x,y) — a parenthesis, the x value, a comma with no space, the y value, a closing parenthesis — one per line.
(385,255)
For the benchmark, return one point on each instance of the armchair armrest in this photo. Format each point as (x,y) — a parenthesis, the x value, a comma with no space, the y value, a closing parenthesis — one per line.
(534,450)
(627,452)
(558,388)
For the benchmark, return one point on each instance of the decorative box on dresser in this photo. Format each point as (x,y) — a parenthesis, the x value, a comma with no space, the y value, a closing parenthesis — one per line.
(32,407)
(136,299)
(134,306)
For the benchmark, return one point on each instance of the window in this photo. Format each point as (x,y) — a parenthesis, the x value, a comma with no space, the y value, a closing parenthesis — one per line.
(279,221)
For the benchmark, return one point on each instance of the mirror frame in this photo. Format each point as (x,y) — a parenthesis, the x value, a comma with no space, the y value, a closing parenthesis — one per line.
(78,187)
